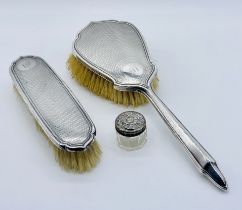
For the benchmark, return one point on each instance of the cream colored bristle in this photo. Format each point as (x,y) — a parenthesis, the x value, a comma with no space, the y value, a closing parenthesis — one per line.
(103,87)
(80,161)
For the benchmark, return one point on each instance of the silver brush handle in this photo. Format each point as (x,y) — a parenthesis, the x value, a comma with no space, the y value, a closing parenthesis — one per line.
(203,160)
(195,150)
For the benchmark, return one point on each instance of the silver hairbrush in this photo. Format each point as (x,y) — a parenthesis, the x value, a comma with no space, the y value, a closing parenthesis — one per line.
(116,51)
(57,113)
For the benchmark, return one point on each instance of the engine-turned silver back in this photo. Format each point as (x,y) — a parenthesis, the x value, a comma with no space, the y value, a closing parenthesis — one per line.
(52,104)
(117,51)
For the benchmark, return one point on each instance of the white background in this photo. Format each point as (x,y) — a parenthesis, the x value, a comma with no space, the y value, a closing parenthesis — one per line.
(197,47)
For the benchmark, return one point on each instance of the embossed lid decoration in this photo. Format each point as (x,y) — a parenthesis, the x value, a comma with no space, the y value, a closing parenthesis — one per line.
(130,123)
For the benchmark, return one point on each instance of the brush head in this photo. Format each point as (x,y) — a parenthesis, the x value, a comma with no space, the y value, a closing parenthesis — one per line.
(57,113)
(102,87)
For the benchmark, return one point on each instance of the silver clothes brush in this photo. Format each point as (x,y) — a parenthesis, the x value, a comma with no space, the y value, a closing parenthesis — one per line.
(116,51)
(57,112)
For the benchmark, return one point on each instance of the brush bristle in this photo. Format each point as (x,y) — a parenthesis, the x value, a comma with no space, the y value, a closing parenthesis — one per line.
(103,87)
(80,161)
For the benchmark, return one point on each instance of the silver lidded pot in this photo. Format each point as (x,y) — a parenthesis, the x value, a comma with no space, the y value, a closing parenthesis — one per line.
(131,130)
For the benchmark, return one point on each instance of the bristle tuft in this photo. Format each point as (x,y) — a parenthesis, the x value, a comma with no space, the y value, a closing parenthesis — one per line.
(103,87)
(80,161)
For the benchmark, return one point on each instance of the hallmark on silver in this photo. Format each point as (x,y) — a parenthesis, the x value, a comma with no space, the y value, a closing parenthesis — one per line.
(26,64)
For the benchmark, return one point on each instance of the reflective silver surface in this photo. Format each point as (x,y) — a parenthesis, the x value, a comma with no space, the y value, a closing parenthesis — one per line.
(117,51)
(196,151)
(52,104)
